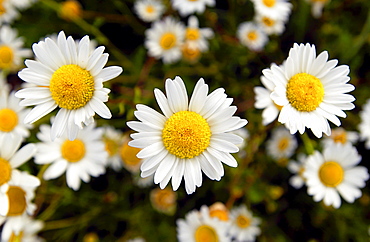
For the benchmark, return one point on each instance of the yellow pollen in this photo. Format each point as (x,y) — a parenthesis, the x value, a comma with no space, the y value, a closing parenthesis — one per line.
(192,34)
(5,171)
(331,174)
(16,238)
(17,201)
(252,35)
(149,9)
(128,155)
(111,146)
(73,150)
(186,134)
(268,21)
(205,233)
(242,221)
(304,92)
(6,57)
(70,9)
(168,41)
(283,144)
(8,120)
(71,86)
(269,3)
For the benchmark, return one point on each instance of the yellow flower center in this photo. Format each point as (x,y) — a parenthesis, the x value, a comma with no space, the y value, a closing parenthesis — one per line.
(71,86)
(70,9)
(163,199)
(331,174)
(300,172)
(222,215)
(186,134)
(128,155)
(252,35)
(242,221)
(2,8)
(269,3)
(339,137)
(304,92)
(5,171)
(111,146)
(16,238)
(190,54)
(149,9)
(192,34)
(268,21)
(8,120)
(6,56)
(205,233)
(168,41)
(283,144)
(17,201)
(73,150)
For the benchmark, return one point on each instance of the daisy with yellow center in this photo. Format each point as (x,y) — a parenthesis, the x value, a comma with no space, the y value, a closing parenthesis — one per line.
(80,158)
(149,10)
(164,39)
(270,25)
(197,37)
(251,36)
(68,76)
(340,135)
(199,226)
(113,140)
(189,138)
(243,227)
(26,229)
(281,144)
(317,7)
(311,90)
(187,7)
(273,8)
(297,168)
(335,172)
(8,12)
(163,200)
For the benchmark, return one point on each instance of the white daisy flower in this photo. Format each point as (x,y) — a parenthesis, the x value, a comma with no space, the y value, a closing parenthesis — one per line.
(8,12)
(282,144)
(340,135)
(244,227)
(79,159)
(311,90)
(251,36)
(128,155)
(69,77)
(335,172)
(149,10)
(113,139)
(197,37)
(273,8)
(12,52)
(317,6)
(269,25)
(27,230)
(200,226)
(364,126)
(164,39)
(297,168)
(189,138)
(187,7)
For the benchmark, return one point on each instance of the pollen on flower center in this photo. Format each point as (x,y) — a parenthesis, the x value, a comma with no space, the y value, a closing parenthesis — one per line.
(242,221)
(149,9)
(268,21)
(205,233)
(192,34)
(186,134)
(283,143)
(168,41)
(71,86)
(340,137)
(5,171)
(17,201)
(304,92)
(6,57)
(331,174)
(8,120)
(269,3)
(73,150)
(252,35)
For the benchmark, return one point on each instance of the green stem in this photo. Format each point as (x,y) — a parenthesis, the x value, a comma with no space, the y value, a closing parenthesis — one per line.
(307,142)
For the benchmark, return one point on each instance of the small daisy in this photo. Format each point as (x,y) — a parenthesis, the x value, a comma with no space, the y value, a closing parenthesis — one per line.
(335,172)
(282,144)
(187,7)
(244,226)
(251,36)
(128,155)
(273,8)
(79,159)
(317,7)
(311,90)
(340,135)
(163,200)
(113,140)
(269,25)
(199,226)
(28,229)
(164,39)
(189,138)
(197,37)
(69,77)
(8,12)
(364,126)
(297,168)
(149,10)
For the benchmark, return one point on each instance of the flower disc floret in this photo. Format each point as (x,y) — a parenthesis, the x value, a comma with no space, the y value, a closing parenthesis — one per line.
(73,150)
(205,233)
(242,221)
(17,201)
(331,174)
(168,41)
(6,57)
(8,120)
(5,171)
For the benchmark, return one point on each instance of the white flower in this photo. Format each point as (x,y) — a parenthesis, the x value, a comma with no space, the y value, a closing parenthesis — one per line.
(9,12)
(200,226)
(297,168)
(364,126)
(251,36)
(281,144)
(113,140)
(317,7)
(244,227)
(273,8)
(149,10)
(189,137)
(269,25)
(79,159)
(335,172)
(197,37)
(70,77)
(27,230)
(340,135)
(164,39)
(187,7)
(311,90)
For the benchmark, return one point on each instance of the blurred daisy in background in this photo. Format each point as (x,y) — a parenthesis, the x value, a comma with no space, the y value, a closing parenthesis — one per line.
(149,10)
(128,155)
(282,144)
(317,6)
(70,78)
(197,37)
(297,168)
(269,25)
(274,9)
(113,139)
(190,53)
(219,210)
(8,12)
(164,39)
(189,138)
(80,158)
(164,200)
(364,126)
(311,90)
(335,172)
(187,7)
(340,135)
(27,230)
(251,36)
(243,227)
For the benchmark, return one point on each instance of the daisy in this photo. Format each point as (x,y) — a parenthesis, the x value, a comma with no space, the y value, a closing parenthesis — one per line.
(69,77)
(163,200)
(190,53)
(311,90)
(251,36)
(335,172)
(199,226)
(8,12)
(197,37)
(364,126)
(244,226)
(113,140)
(297,168)
(189,138)
(149,10)
(128,155)
(317,7)
(340,135)
(187,7)
(269,25)
(79,159)
(164,39)
(273,8)
(282,144)
(28,229)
